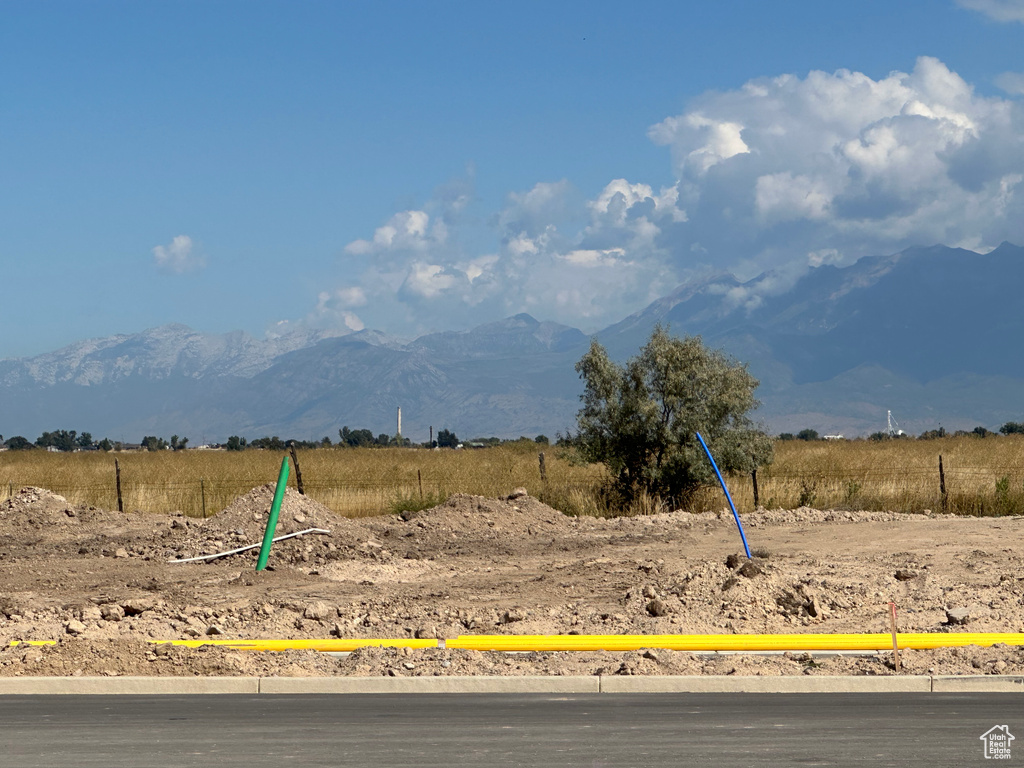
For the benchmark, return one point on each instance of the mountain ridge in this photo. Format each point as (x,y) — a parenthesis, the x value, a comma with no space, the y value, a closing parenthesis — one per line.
(927,332)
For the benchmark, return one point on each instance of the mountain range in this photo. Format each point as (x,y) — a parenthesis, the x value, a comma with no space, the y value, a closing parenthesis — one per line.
(928,333)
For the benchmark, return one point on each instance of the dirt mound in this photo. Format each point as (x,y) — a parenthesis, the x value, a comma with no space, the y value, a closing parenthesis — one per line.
(244,522)
(100,583)
(809,515)
(466,523)
(38,508)
(35,499)
(137,657)
(248,513)
(38,520)
(515,515)
(399,662)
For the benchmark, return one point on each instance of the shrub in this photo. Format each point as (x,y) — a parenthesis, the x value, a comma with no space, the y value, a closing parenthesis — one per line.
(641,419)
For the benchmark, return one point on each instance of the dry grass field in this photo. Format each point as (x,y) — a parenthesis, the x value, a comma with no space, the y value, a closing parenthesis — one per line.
(354,482)
(983,476)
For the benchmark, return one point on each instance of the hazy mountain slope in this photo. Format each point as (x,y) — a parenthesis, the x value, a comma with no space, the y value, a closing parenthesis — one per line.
(492,390)
(834,352)
(930,333)
(506,378)
(158,353)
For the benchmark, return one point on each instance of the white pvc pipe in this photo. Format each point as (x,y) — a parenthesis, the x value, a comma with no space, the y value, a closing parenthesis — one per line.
(247,548)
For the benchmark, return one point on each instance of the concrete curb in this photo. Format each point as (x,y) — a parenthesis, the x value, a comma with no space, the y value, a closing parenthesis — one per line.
(975,683)
(779,684)
(525,684)
(128,685)
(544,685)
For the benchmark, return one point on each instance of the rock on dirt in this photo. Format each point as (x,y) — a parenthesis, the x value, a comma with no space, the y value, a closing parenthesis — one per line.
(963,615)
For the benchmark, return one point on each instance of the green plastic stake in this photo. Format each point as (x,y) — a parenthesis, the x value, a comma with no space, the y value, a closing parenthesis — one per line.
(275,510)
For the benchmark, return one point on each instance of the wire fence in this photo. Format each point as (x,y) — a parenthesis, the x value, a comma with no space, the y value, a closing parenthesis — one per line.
(375,482)
(204,498)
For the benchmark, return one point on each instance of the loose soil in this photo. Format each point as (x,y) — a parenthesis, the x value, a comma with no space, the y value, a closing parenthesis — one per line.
(101,584)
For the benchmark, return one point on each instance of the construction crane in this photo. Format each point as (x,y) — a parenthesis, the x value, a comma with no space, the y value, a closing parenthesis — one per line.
(893,428)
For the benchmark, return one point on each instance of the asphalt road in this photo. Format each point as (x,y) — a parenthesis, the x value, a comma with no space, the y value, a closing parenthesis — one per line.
(603,730)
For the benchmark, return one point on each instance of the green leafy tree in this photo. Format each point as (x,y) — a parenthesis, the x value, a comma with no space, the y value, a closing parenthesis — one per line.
(541,440)
(1012,428)
(105,445)
(18,443)
(84,440)
(447,439)
(61,440)
(641,419)
(274,443)
(153,443)
(808,434)
(235,443)
(356,438)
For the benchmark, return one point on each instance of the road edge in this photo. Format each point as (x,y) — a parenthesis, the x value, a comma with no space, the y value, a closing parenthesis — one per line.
(34,686)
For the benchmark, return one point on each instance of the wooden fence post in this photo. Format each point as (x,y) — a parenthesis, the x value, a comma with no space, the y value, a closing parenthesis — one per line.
(419,479)
(942,486)
(202,492)
(757,496)
(543,468)
(117,474)
(298,472)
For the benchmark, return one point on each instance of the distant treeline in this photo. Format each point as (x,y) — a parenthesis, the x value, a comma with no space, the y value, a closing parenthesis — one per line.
(1009,428)
(67,441)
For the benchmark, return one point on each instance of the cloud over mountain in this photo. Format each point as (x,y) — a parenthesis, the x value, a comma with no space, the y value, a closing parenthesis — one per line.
(786,167)
(779,175)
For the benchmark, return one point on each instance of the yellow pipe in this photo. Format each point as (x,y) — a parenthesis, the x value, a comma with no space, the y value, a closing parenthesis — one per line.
(807,642)
(739,643)
(314,644)
(31,642)
(333,646)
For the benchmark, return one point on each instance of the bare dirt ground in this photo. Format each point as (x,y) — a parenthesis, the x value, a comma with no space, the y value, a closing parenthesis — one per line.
(101,584)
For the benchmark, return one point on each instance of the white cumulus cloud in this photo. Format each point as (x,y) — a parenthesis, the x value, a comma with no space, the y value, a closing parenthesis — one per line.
(178,256)
(844,164)
(406,231)
(778,175)
(1011,82)
(999,10)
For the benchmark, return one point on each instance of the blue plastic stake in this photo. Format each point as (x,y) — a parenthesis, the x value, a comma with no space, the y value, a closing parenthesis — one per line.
(735,514)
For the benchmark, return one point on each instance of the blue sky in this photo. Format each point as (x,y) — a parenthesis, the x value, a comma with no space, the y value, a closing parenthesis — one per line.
(414,166)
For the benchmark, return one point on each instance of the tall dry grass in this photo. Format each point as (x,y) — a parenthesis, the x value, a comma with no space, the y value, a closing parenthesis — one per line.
(984,476)
(351,481)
